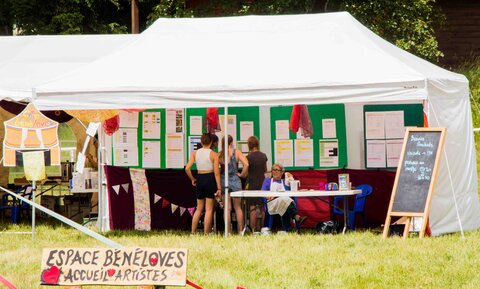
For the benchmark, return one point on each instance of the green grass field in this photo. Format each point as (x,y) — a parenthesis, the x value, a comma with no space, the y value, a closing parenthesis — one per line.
(355,260)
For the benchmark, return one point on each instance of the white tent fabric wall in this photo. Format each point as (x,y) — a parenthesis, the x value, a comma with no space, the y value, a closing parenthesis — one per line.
(27,61)
(282,60)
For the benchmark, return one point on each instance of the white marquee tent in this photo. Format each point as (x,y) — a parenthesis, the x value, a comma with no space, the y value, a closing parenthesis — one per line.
(281,60)
(27,61)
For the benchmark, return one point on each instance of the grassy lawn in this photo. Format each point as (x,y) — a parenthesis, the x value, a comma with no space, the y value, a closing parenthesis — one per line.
(355,260)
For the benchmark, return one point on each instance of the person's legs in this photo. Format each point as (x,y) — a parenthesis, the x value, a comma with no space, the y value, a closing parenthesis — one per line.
(210,205)
(253,217)
(286,221)
(237,205)
(290,214)
(198,213)
(229,214)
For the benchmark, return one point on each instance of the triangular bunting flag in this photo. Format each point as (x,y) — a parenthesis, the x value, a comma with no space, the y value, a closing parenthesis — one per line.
(191,210)
(156,198)
(182,211)
(125,187)
(165,203)
(174,208)
(116,189)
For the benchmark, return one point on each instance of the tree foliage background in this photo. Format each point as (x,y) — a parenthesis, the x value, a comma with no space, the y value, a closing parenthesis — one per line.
(409,24)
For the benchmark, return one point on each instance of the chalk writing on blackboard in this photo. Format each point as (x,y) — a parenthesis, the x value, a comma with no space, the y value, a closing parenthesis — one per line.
(416,174)
(416,171)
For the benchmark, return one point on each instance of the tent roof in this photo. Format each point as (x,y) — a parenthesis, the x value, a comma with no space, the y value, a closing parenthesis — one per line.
(27,61)
(249,60)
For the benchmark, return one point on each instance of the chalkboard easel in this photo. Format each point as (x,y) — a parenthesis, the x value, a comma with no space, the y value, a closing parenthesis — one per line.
(416,176)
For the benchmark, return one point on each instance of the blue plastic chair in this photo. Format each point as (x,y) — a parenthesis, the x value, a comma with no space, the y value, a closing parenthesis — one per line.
(358,207)
(15,205)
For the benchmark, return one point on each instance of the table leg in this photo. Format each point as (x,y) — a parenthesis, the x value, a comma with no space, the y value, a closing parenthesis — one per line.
(345,214)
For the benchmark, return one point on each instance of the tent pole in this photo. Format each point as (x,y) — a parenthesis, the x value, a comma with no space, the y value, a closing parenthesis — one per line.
(100,164)
(225,155)
(34,183)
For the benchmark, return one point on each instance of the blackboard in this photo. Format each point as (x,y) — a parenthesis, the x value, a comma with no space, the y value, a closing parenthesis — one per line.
(416,176)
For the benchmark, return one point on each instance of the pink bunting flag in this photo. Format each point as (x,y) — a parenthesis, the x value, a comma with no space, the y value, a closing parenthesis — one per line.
(191,211)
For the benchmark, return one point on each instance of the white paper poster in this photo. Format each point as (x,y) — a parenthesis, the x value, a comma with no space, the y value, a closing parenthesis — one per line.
(394,149)
(151,154)
(284,152)
(394,124)
(196,124)
(151,124)
(128,119)
(125,137)
(242,145)
(194,142)
(126,156)
(329,128)
(246,129)
(174,151)
(376,154)
(375,125)
(304,153)
(231,126)
(174,120)
(328,153)
(281,129)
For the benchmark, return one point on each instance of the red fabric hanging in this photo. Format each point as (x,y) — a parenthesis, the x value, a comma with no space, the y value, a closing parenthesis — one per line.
(212,121)
(425,117)
(295,118)
(300,118)
(111,125)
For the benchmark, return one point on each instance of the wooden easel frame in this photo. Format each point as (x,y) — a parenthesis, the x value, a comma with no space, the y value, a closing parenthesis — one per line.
(410,215)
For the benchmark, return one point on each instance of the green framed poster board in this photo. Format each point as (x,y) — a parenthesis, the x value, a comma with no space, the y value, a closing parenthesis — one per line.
(242,114)
(332,141)
(143,137)
(412,115)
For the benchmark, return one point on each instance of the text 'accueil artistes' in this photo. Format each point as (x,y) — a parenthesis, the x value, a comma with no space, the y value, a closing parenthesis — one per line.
(112,266)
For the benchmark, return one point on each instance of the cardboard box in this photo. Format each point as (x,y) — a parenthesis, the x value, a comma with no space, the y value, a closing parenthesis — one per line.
(50,202)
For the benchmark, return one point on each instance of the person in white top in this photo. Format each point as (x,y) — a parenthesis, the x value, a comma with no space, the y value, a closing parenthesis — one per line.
(207,182)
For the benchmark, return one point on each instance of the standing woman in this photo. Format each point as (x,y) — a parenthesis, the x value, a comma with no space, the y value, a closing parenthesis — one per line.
(207,182)
(257,167)
(234,182)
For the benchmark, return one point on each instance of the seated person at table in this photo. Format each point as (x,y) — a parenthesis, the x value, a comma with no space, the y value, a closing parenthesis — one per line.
(283,206)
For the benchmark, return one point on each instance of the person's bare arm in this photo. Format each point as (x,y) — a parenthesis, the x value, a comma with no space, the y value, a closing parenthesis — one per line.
(216,171)
(239,156)
(188,169)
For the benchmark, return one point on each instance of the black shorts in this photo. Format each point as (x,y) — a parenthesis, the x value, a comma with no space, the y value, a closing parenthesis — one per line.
(206,186)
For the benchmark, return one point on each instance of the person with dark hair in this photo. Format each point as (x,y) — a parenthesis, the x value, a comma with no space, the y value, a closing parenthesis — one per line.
(257,167)
(283,206)
(207,182)
(214,144)
(234,182)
